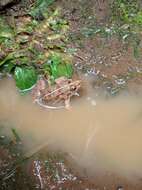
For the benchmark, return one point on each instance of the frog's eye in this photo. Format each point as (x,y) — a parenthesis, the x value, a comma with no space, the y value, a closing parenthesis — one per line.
(73,87)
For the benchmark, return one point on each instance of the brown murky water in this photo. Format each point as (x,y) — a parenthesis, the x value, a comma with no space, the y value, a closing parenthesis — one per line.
(100,135)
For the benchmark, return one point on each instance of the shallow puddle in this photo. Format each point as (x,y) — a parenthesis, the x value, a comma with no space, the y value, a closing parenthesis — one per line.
(100,135)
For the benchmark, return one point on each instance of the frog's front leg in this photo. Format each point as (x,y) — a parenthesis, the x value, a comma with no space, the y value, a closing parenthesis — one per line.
(67,104)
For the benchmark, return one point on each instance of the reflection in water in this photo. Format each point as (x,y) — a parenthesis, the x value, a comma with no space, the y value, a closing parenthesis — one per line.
(102,136)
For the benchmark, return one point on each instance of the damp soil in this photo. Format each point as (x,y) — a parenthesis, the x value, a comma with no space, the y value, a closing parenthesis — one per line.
(97,144)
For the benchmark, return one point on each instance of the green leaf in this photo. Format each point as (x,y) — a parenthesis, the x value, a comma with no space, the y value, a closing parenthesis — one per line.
(25,77)
(11,56)
(15,134)
(40,7)
(64,70)
(59,67)
(8,67)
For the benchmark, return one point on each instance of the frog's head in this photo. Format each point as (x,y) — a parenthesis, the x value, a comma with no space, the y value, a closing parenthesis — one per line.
(75,85)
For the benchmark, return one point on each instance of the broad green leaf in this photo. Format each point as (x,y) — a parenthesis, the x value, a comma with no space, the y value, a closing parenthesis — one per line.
(59,67)
(11,56)
(25,77)
(64,70)
(7,58)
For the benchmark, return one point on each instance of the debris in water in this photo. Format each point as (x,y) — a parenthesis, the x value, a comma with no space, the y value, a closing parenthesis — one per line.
(37,172)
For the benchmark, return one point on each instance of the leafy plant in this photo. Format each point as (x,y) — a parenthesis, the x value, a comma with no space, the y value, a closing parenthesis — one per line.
(57,67)
(10,57)
(58,24)
(39,8)
(25,77)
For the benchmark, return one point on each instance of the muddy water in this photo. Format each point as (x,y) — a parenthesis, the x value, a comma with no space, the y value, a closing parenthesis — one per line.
(100,135)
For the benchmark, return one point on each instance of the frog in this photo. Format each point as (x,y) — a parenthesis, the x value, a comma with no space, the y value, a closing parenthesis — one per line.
(61,91)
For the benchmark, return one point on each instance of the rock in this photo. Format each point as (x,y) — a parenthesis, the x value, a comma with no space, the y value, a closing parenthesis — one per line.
(120,188)
(3,3)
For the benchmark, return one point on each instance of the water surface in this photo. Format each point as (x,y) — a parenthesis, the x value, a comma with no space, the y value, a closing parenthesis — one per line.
(100,135)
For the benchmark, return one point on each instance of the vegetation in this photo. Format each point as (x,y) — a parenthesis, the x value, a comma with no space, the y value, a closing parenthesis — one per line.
(26,50)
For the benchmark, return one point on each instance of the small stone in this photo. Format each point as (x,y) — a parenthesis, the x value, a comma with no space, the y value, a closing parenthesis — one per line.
(120,188)
(120,81)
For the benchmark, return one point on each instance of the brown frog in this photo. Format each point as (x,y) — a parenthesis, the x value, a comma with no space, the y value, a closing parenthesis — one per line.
(60,92)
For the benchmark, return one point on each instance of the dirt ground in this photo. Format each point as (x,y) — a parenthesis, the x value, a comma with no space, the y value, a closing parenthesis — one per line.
(109,58)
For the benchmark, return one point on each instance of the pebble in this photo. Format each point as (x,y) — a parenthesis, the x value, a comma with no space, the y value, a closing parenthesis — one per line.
(138,70)
(120,188)
(120,81)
